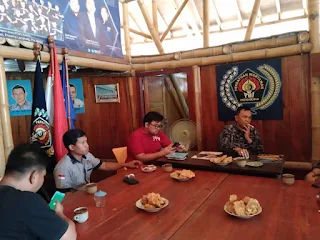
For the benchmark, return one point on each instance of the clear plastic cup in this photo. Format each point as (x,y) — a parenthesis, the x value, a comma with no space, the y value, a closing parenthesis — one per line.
(100,198)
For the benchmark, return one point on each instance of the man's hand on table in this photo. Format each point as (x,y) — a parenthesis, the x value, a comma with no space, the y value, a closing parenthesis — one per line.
(241,152)
(133,164)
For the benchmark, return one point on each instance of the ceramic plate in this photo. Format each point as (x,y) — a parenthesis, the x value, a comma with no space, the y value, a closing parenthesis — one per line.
(179,179)
(149,168)
(222,163)
(242,217)
(254,164)
(141,206)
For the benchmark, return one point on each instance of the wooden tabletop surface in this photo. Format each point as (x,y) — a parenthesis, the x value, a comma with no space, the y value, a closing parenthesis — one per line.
(288,212)
(267,170)
(121,219)
(196,210)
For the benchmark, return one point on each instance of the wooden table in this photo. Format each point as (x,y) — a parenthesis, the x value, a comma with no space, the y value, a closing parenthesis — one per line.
(289,212)
(267,170)
(120,219)
(196,209)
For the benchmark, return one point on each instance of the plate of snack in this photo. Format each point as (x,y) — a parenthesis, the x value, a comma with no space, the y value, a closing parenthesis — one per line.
(152,202)
(222,161)
(242,208)
(182,175)
(148,168)
(270,158)
(254,164)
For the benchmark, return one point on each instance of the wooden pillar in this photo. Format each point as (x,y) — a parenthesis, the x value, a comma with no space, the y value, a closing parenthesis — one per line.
(252,20)
(206,23)
(126,29)
(197,89)
(4,112)
(151,28)
(181,98)
(313,9)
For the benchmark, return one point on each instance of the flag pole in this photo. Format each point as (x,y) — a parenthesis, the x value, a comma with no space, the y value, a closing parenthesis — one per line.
(66,57)
(51,45)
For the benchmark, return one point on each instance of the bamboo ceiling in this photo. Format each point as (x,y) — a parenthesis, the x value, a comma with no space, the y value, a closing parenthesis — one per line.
(225,16)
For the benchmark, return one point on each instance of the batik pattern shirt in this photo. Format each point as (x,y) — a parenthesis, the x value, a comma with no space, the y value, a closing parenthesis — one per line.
(232,137)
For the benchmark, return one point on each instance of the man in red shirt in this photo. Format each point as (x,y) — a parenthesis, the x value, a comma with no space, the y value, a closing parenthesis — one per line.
(149,143)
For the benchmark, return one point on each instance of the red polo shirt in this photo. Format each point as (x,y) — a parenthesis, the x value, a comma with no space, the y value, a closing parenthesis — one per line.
(142,142)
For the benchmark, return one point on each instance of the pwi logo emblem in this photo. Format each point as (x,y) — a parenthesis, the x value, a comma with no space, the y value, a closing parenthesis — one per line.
(249,87)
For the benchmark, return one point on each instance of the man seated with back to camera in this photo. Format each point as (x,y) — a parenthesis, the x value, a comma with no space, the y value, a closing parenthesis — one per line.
(314,175)
(240,138)
(23,213)
(73,171)
(148,142)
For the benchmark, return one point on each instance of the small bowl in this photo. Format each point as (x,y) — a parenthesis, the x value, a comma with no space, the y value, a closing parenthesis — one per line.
(288,178)
(167,167)
(91,188)
(241,161)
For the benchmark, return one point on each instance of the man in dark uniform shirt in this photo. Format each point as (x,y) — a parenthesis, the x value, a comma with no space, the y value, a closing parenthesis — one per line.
(23,213)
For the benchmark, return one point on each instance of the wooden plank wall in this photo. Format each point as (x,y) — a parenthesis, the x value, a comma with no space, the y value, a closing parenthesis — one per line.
(290,136)
(107,125)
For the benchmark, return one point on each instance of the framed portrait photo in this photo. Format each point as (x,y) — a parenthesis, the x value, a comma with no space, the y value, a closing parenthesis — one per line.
(107,93)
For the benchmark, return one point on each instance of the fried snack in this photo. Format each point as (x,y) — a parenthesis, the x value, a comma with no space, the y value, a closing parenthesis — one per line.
(183,174)
(246,200)
(152,200)
(233,198)
(227,160)
(230,207)
(245,207)
(223,157)
(240,208)
(252,207)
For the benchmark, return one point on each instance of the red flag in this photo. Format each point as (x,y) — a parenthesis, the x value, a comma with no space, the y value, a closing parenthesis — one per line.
(60,118)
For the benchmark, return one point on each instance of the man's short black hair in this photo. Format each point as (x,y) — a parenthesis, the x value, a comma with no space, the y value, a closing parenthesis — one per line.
(71,137)
(242,108)
(17,87)
(26,158)
(152,116)
(72,85)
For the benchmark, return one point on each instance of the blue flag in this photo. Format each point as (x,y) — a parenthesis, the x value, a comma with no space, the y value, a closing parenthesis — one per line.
(69,113)
(40,127)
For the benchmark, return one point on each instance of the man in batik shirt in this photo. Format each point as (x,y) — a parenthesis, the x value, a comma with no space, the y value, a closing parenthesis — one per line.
(241,138)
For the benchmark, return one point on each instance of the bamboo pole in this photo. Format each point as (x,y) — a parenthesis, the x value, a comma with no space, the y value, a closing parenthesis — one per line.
(174,20)
(303,37)
(142,34)
(2,155)
(151,28)
(234,57)
(252,20)
(298,165)
(132,103)
(206,23)
(66,68)
(214,51)
(198,102)
(155,15)
(181,98)
(4,112)
(313,9)
(126,29)
(27,54)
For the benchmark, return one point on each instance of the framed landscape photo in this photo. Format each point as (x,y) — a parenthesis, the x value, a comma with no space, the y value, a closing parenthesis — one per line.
(107,93)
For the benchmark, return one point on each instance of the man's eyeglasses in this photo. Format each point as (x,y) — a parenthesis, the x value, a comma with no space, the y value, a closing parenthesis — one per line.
(156,125)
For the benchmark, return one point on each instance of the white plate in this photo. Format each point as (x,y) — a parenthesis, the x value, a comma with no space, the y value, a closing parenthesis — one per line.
(180,179)
(140,205)
(242,217)
(222,163)
(149,168)
(208,152)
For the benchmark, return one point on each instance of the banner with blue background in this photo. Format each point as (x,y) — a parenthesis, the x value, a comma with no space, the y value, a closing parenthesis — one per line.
(83,25)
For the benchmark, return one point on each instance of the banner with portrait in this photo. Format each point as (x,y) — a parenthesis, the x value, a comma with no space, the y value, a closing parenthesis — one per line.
(254,84)
(20,97)
(76,92)
(91,26)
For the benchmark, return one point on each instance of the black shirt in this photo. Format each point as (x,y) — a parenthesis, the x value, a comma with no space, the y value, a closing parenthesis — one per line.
(25,215)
